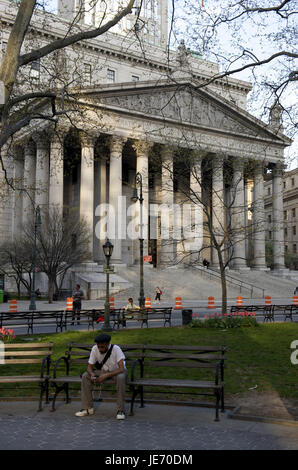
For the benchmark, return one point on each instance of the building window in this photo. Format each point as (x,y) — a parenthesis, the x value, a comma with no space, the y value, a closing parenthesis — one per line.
(285,215)
(294,213)
(269,219)
(135,78)
(111,75)
(286,232)
(294,230)
(268,191)
(35,69)
(284,185)
(294,248)
(293,182)
(87,74)
(270,235)
(286,248)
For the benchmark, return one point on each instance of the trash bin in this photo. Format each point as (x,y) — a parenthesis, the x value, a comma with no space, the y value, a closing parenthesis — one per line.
(186,317)
(1,296)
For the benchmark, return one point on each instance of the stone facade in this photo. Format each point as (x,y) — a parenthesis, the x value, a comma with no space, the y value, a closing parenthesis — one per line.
(289,216)
(153,107)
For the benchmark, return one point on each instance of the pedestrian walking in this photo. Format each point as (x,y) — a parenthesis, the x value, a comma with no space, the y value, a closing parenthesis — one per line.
(77,296)
(158,293)
(206,263)
(296,291)
(109,360)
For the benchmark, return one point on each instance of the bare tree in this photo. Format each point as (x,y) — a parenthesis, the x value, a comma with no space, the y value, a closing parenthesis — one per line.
(18,108)
(62,242)
(218,228)
(16,262)
(252,37)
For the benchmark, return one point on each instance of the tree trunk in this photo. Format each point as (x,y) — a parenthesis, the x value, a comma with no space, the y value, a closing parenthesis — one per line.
(51,290)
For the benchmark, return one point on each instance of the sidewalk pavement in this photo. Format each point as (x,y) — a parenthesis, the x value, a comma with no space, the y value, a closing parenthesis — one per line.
(155,427)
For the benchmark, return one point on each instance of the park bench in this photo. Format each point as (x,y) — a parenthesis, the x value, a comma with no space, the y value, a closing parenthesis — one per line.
(88,317)
(23,356)
(121,316)
(75,363)
(179,360)
(31,319)
(40,318)
(267,311)
(287,310)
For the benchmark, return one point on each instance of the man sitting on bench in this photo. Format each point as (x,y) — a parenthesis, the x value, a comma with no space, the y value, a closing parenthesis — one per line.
(109,361)
(130,307)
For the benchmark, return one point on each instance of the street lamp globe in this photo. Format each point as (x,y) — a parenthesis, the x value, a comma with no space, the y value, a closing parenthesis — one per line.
(108,249)
(135,196)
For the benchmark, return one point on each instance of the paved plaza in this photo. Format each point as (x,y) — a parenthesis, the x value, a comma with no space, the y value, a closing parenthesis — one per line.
(155,427)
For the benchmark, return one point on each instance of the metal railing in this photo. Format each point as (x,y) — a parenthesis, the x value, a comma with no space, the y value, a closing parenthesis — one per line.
(230,279)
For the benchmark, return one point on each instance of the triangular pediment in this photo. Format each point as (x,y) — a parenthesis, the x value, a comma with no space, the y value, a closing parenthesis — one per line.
(183,104)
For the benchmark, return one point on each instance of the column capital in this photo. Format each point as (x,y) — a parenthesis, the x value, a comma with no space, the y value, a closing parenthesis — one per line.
(29,147)
(167,152)
(41,139)
(258,166)
(142,147)
(117,143)
(87,139)
(278,169)
(238,164)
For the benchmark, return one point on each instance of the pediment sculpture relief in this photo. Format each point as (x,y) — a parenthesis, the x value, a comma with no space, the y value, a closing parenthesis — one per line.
(181,106)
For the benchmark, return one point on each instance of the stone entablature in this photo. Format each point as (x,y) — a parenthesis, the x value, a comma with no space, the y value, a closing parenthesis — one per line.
(147,62)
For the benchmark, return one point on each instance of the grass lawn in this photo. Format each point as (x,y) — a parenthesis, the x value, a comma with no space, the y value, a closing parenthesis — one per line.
(256,356)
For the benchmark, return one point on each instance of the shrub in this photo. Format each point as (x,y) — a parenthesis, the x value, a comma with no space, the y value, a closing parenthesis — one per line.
(216,320)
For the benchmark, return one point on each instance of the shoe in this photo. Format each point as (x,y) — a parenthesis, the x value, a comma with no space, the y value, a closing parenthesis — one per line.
(82,413)
(120,415)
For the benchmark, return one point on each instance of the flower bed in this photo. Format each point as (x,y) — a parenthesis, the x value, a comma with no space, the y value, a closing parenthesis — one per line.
(228,320)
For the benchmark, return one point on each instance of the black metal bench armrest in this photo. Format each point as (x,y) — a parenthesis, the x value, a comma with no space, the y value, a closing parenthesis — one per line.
(46,360)
(133,367)
(65,359)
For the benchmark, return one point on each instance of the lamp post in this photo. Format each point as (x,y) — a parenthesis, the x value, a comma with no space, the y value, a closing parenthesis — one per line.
(135,197)
(37,223)
(108,250)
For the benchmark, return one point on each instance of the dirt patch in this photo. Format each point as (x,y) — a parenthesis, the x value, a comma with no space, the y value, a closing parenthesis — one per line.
(266,404)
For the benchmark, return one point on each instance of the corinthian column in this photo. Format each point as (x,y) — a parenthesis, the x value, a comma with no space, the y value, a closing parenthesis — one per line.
(142,151)
(29,182)
(167,216)
(195,244)
(259,217)
(218,207)
(18,196)
(238,217)
(116,220)
(87,185)
(278,225)
(56,171)
(42,169)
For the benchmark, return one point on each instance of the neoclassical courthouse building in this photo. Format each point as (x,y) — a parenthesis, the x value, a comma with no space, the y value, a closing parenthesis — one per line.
(131,99)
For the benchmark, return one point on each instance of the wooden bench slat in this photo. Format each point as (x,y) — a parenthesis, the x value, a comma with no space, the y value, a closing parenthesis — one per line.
(186,365)
(20,378)
(183,348)
(28,353)
(28,345)
(182,356)
(23,361)
(175,383)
